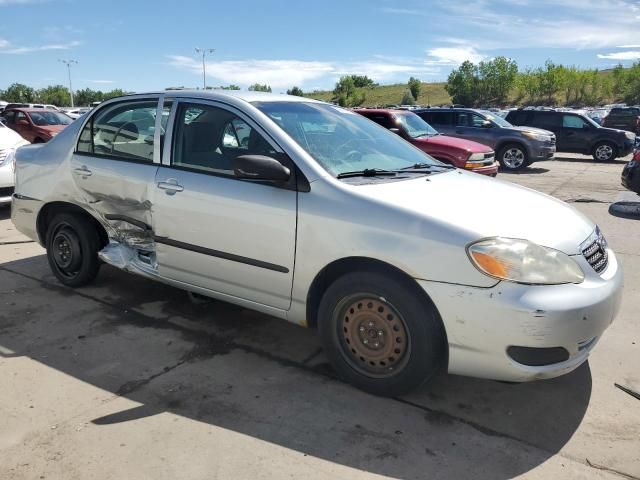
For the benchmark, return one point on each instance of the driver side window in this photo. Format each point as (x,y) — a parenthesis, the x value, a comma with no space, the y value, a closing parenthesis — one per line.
(124,130)
(209,138)
(571,121)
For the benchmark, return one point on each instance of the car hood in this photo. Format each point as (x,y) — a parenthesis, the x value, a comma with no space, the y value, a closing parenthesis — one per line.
(480,207)
(10,139)
(51,128)
(530,129)
(461,143)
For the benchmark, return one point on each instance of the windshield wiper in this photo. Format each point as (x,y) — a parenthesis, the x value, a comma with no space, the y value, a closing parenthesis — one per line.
(425,166)
(368,172)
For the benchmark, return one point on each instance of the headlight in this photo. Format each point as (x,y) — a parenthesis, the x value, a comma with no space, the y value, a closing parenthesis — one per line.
(630,135)
(522,261)
(7,156)
(476,157)
(541,137)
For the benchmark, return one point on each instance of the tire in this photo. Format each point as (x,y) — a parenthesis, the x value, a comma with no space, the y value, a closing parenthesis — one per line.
(356,308)
(513,157)
(604,152)
(72,250)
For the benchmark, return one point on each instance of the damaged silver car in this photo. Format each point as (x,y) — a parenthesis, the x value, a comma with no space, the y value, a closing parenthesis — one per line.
(314,214)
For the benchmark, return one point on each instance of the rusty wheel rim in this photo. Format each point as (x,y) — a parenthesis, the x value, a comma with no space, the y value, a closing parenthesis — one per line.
(374,336)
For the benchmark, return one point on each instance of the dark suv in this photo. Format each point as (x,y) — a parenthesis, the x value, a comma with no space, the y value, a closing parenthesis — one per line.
(624,118)
(576,133)
(515,147)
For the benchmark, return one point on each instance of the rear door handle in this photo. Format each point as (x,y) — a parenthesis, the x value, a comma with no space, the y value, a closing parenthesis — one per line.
(170,186)
(83,171)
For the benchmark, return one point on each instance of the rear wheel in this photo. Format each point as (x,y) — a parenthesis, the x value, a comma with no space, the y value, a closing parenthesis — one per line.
(513,157)
(379,335)
(604,152)
(72,249)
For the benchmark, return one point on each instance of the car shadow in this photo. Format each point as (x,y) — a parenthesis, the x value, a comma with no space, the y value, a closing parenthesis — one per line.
(5,212)
(590,159)
(525,171)
(262,377)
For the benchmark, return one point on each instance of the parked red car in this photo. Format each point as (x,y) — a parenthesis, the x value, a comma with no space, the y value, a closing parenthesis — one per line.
(36,125)
(458,152)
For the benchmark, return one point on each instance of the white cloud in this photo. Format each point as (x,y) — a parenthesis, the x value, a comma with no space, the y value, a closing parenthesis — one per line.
(629,55)
(454,55)
(102,81)
(285,73)
(628,46)
(3,43)
(12,50)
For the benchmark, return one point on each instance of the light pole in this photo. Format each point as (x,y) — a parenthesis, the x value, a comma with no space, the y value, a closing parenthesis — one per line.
(68,64)
(204,52)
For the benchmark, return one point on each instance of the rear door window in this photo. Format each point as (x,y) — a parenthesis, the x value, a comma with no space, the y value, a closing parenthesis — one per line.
(124,130)
(382,120)
(547,121)
(440,118)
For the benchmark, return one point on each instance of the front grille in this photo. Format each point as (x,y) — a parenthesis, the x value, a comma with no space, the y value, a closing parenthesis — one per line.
(489,156)
(594,250)
(6,191)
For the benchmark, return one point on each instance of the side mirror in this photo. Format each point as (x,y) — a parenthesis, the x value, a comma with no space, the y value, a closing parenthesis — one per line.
(487,124)
(260,167)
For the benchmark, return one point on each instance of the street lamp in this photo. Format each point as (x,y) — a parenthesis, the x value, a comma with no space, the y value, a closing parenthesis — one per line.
(204,52)
(68,64)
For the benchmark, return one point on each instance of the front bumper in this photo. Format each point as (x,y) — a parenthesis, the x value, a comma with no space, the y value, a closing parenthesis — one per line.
(482,323)
(541,151)
(490,170)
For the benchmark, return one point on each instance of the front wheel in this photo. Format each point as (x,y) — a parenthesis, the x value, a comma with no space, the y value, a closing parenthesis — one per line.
(604,152)
(72,250)
(513,157)
(380,335)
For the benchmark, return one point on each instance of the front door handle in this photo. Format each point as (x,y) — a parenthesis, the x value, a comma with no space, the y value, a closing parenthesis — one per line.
(83,171)
(170,186)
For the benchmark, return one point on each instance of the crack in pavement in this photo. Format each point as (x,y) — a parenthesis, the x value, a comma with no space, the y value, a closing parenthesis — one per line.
(209,345)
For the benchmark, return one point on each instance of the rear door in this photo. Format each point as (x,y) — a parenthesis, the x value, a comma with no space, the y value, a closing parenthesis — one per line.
(24,129)
(213,230)
(115,162)
(443,121)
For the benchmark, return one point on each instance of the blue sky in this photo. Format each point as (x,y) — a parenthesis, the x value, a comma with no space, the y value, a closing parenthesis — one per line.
(145,45)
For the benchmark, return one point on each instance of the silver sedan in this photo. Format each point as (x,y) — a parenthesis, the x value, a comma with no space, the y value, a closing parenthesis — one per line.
(314,214)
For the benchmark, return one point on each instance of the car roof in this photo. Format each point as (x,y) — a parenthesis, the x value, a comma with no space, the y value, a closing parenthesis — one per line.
(30,109)
(245,95)
(381,110)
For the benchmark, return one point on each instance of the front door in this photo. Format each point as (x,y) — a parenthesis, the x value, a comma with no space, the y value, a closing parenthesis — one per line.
(573,136)
(215,231)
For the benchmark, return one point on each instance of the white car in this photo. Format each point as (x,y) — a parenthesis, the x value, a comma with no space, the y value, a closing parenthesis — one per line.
(317,215)
(9,142)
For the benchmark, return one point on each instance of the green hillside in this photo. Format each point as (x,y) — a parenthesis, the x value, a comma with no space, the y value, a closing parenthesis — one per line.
(431,93)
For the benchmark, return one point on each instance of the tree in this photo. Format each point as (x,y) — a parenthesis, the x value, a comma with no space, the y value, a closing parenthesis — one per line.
(256,87)
(462,84)
(230,87)
(495,80)
(362,81)
(414,86)
(19,93)
(407,98)
(346,94)
(295,91)
(55,94)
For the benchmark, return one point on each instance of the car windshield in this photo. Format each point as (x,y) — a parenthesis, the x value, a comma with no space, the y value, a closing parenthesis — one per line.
(44,118)
(590,120)
(498,120)
(415,126)
(341,140)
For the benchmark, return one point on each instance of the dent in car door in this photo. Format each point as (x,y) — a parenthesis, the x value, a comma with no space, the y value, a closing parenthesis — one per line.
(213,230)
(113,166)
